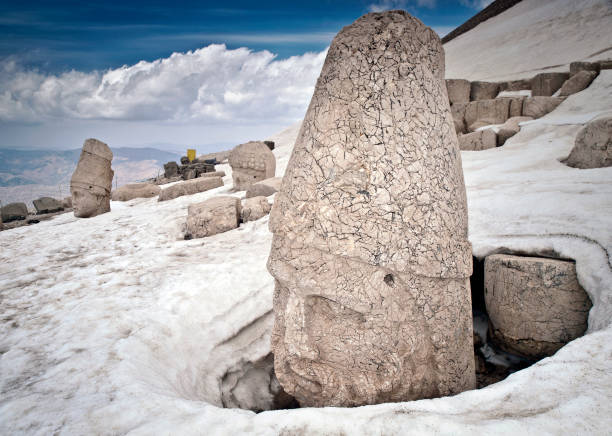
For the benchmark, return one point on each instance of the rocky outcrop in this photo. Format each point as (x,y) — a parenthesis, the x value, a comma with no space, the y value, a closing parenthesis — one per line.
(546,84)
(579,81)
(91,183)
(135,190)
(190,187)
(254,208)
(536,107)
(593,145)
(14,212)
(47,205)
(458,91)
(370,253)
(483,90)
(480,140)
(215,215)
(251,162)
(509,129)
(264,188)
(535,305)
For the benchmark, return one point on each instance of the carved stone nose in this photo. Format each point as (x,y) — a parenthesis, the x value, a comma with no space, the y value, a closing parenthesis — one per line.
(297,341)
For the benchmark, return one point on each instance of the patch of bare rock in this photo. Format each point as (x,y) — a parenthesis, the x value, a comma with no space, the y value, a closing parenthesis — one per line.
(593,145)
(264,188)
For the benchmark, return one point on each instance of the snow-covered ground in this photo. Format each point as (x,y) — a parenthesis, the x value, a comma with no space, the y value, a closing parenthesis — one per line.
(115,324)
(531,37)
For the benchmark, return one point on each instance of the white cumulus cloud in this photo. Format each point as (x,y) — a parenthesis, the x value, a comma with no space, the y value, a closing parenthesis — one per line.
(212,84)
(387,5)
(476,4)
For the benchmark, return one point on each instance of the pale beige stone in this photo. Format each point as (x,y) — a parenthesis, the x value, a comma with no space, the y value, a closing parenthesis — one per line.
(536,107)
(254,208)
(483,90)
(486,112)
(135,190)
(213,174)
(535,305)
(47,205)
(90,186)
(458,91)
(546,84)
(215,215)
(458,114)
(190,187)
(509,129)
(475,141)
(576,67)
(579,81)
(251,162)
(265,187)
(593,145)
(370,252)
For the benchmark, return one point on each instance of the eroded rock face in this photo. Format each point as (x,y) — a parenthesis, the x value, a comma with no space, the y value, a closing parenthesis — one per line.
(593,145)
(370,253)
(215,215)
(509,129)
(535,305)
(90,186)
(135,190)
(251,163)
(254,208)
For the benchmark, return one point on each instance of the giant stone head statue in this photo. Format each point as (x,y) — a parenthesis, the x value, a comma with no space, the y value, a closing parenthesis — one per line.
(370,253)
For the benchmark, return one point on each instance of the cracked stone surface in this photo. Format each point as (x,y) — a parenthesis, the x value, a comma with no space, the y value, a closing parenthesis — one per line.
(535,305)
(91,182)
(215,215)
(251,162)
(135,190)
(593,145)
(254,208)
(370,253)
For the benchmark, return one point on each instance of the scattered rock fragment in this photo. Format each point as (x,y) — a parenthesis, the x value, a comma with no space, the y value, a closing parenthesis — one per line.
(370,252)
(254,208)
(215,215)
(190,187)
(510,128)
(171,169)
(47,205)
(536,107)
(476,141)
(251,162)
(576,67)
(135,190)
(593,145)
(535,305)
(14,212)
(546,84)
(91,183)
(458,90)
(265,187)
(577,82)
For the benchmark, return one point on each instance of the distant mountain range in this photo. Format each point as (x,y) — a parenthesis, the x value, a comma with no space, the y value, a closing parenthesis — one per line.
(28,174)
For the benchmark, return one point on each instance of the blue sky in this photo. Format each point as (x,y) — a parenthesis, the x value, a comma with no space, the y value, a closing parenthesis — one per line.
(181,72)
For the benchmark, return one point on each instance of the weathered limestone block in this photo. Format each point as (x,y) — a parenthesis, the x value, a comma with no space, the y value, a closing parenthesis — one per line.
(185,160)
(605,64)
(458,114)
(270,144)
(264,188)
(91,182)
(458,90)
(476,141)
(190,187)
(483,90)
(254,208)
(171,169)
(536,107)
(577,82)
(14,212)
(370,252)
(535,305)
(215,215)
(47,205)
(189,174)
(135,190)
(515,85)
(510,128)
(576,67)
(546,84)
(485,112)
(213,174)
(67,203)
(593,145)
(251,163)
(516,106)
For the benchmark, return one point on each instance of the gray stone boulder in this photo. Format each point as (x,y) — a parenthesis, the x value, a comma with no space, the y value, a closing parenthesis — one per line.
(593,145)
(14,212)
(476,141)
(577,82)
(576,67)
(483,90)
(370,254)
(47,205)
(91,182)
(190,187)
(135,190)
(546,84)
(535,305)
(215,215)
(265,188)
(458,91)
(510,128)
(171,169)
(251,162)
(254,208)
(536,107)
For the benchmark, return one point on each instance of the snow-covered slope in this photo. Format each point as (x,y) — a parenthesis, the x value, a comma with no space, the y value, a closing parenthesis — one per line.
(115,324)
(531,37)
